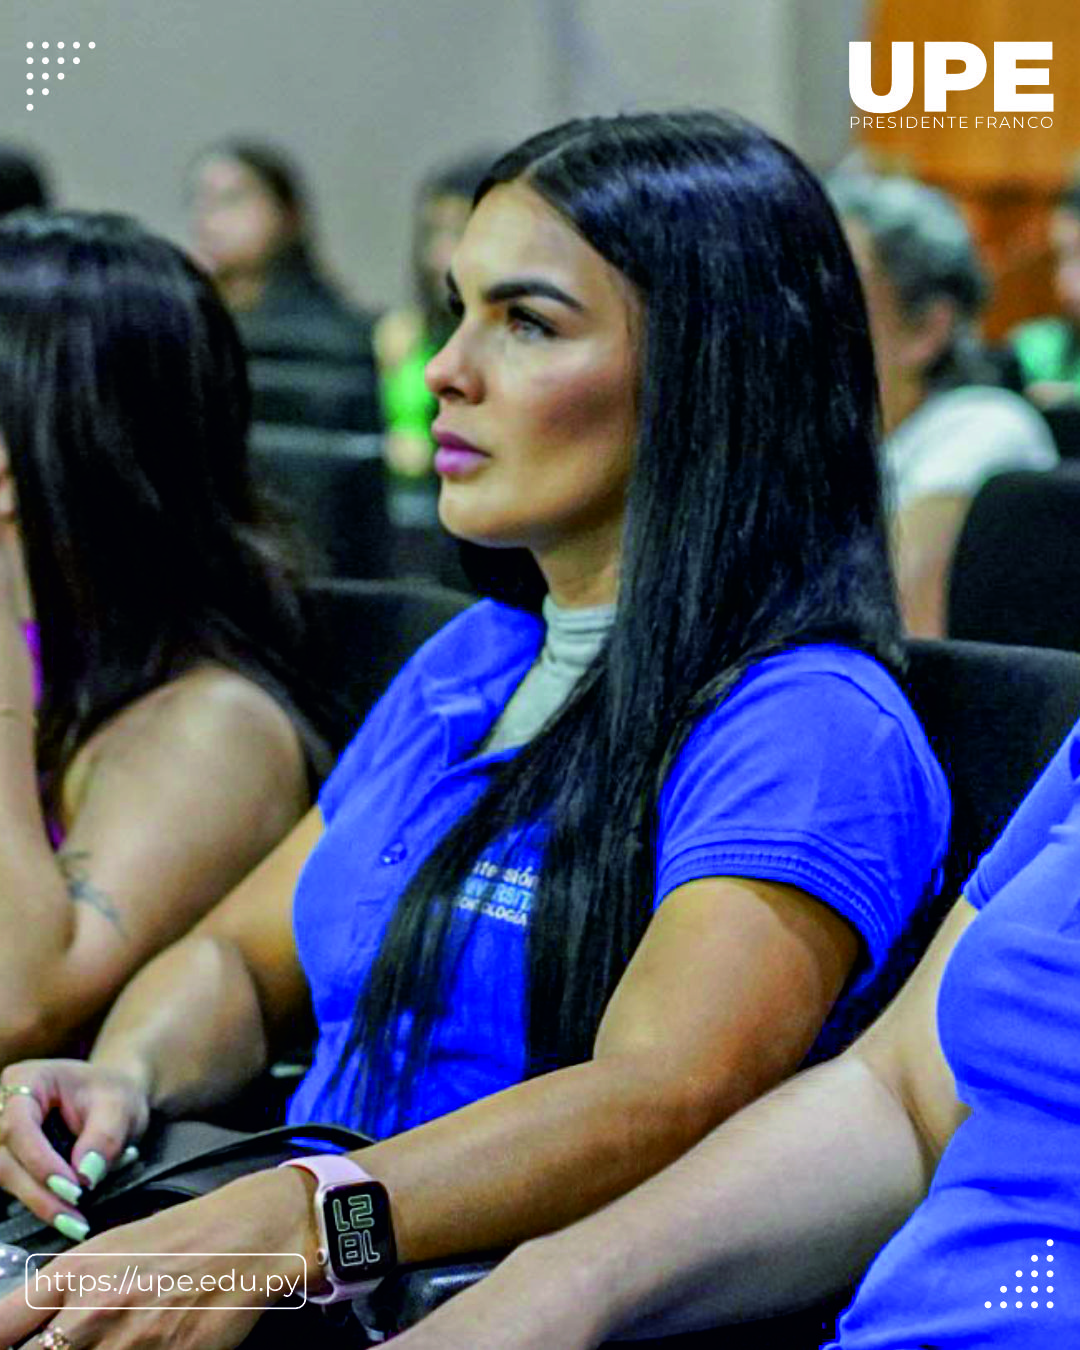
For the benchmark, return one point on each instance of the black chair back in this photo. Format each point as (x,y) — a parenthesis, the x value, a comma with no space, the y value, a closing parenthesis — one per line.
(363,632)
(340,396)
(1064,424)
(331,486)
(994,715)
(1015,574)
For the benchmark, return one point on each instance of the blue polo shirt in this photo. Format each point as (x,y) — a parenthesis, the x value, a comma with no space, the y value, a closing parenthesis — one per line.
(814,771)
(990,1259)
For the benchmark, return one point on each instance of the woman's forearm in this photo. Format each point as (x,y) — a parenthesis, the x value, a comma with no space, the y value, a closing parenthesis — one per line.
(538,1155)
(188,1027)
(782,1205)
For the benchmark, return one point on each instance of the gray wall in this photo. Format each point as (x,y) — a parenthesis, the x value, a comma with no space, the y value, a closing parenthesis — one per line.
(367,93)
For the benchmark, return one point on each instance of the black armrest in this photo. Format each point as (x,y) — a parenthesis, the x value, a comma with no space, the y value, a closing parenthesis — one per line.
(404,1299)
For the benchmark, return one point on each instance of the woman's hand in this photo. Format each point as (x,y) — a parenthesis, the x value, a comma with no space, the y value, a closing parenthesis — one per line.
(235,1252)
(104,1109)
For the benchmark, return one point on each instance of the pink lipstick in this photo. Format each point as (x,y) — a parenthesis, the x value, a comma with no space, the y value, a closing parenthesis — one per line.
(456,457)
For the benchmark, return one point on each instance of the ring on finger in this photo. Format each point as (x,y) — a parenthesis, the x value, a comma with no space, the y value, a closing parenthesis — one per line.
(52,1338)
(9,1090)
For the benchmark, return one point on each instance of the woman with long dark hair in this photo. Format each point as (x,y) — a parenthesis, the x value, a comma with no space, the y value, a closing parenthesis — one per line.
(150,747)
(620,849)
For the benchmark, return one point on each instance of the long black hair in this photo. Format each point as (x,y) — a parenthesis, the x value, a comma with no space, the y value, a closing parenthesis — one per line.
(124,409)
(754,522)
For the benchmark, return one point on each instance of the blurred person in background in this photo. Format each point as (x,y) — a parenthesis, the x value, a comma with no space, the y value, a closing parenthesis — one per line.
(947,427)
(1047,350)
(252,230)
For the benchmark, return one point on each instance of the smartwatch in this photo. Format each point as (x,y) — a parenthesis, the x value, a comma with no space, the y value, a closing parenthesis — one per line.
(356,1233)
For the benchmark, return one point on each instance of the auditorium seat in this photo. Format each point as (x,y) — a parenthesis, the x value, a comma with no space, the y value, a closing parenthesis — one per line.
(331,486)
(362,632)
(1064,423)
(331,395)
(1015,575)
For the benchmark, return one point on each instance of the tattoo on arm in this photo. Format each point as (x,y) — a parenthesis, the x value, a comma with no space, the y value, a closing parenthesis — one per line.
(75,870)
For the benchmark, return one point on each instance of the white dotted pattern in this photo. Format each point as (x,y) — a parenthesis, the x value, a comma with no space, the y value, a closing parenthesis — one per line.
(1048,1274)
(91,46)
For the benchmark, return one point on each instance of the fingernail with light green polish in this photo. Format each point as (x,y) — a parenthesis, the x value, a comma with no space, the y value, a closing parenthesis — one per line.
(75,1229)
(92,1168)
(129,1155)
(66,1190)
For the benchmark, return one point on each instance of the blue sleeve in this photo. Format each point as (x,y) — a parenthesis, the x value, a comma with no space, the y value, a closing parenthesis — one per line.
(1028,830)
(818,777)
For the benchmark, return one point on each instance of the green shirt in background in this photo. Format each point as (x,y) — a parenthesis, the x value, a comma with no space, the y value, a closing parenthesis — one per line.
(1048,349)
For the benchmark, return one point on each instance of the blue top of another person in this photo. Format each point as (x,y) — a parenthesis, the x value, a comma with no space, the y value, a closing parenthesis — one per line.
(991,1258)
(814,771)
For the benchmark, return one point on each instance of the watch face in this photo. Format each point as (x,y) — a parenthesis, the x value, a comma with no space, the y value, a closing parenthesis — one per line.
(359,1234)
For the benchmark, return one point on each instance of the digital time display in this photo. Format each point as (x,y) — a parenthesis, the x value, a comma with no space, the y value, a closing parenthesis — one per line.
(359,1236)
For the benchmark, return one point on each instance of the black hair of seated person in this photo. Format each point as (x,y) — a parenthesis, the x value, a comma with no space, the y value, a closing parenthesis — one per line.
(23,181)
(754,522)
(124,409)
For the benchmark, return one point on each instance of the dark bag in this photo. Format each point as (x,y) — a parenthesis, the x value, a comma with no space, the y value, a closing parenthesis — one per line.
(180,1160)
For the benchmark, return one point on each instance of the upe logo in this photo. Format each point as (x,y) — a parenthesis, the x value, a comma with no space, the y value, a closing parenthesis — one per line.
(939,80)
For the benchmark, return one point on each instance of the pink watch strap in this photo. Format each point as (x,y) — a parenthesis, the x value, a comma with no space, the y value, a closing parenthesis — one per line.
(330,1169)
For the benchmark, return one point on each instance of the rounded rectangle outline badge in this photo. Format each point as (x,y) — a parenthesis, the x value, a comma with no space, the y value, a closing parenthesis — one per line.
(149,1257)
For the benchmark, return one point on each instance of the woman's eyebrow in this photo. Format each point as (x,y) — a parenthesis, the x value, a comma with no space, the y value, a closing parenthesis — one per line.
(517,287)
